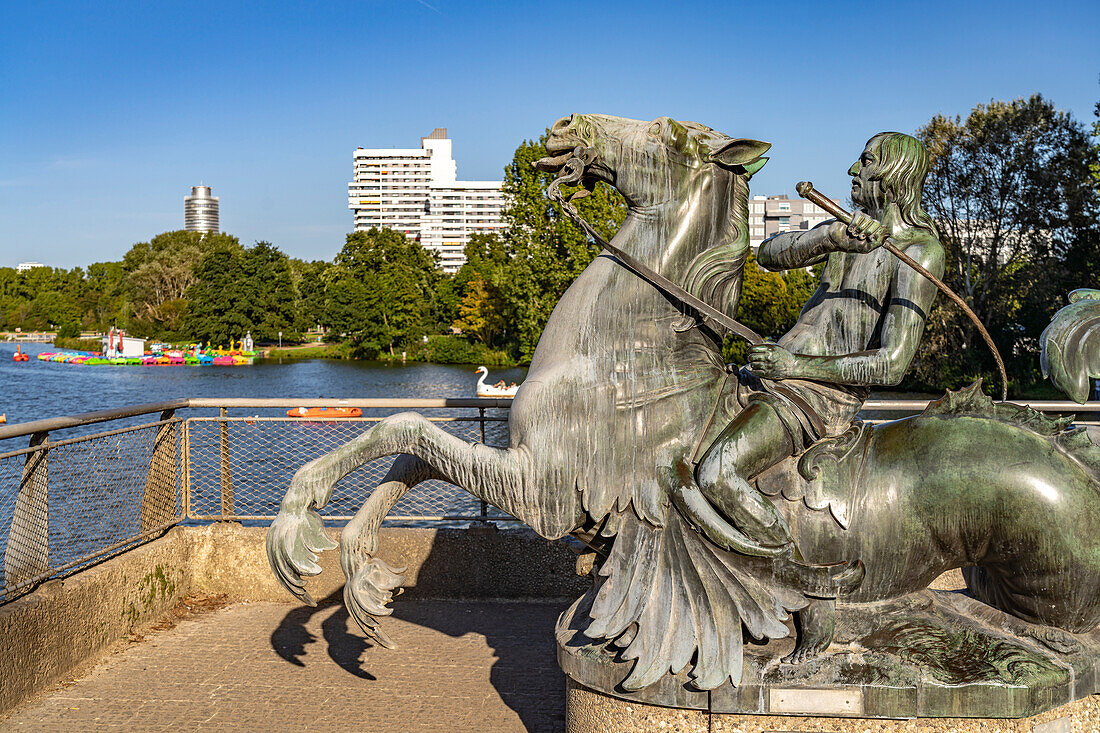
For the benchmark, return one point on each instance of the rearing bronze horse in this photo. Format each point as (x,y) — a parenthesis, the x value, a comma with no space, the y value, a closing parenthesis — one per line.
(616,395)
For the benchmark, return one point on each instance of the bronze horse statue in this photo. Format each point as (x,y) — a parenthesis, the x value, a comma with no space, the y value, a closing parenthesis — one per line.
(619,391)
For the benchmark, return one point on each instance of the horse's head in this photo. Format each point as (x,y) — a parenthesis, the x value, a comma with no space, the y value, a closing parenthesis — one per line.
(649,162)
(690,181)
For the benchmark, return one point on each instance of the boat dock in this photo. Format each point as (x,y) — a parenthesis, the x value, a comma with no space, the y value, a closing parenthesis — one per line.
(28,338)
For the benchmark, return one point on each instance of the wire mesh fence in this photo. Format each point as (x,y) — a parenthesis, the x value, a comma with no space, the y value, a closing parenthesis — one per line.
(68,503)
(65,504)
(240,467)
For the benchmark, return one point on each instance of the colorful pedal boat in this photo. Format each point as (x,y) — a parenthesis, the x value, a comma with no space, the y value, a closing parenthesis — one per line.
(324,413)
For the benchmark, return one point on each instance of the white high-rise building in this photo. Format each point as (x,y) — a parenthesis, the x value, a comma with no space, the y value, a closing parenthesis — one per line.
(415,191)
(770,215)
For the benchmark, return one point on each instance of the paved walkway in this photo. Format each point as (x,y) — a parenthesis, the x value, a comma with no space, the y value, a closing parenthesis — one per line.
(460,666)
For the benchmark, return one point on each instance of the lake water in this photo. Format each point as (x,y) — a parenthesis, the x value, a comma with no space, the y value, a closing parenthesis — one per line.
(36,389)
(96,486)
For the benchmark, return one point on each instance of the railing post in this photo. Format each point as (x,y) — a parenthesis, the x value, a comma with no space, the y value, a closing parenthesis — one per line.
(228,509)
(27,553)
(481,413)
(185,470)
(158,501)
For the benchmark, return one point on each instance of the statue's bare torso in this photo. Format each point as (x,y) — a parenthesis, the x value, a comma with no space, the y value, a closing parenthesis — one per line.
(845,314)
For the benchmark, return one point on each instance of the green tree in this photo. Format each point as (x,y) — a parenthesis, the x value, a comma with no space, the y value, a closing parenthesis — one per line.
(345,302)
(449,292)
(1094,166)
(268,297)
(214,297)
(488,266)
(50,309)
(309,280)
(542,251)
(238,291)
(10,297)
(69,330)
(481,313)
(45,295)
(1011,191)
(40,298)
(102,300)
(159,273)
(380,290)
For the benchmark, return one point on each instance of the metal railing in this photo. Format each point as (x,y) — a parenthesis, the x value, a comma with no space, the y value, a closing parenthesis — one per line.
(238,467)
(71,501)
(66,503)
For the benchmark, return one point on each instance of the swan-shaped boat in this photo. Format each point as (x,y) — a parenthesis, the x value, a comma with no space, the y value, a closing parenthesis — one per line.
(494,390)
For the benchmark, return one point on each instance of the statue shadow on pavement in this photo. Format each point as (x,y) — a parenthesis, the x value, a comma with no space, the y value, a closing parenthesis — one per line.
(519,635)
(291,637)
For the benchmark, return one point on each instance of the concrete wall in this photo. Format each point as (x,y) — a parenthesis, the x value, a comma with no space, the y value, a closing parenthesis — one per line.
(65,625)
(54,631)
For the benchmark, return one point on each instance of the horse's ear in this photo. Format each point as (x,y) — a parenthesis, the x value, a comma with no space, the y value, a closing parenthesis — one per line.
(754,166)
(739,153)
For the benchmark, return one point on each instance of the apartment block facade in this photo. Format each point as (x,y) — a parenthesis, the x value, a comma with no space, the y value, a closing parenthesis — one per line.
(415,191)
(770,215)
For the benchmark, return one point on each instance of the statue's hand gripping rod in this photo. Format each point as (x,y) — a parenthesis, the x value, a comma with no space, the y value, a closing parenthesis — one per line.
(806,190)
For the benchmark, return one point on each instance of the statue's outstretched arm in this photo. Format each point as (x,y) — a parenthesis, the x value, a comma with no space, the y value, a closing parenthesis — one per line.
(789,250)
(911,300)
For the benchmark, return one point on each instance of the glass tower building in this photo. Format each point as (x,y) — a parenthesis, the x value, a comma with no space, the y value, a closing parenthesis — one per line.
(200,210)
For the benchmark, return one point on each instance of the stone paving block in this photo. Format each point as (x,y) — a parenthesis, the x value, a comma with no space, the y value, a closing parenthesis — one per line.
(458,666)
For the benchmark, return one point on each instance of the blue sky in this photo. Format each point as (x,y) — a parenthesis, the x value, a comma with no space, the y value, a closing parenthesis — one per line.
(108,116)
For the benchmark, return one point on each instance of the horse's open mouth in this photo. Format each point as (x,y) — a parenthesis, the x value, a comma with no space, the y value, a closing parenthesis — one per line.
(571,167)
(554,163)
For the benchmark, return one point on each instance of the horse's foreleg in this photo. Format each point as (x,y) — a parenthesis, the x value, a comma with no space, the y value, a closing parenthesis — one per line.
(500,477)
(371,582)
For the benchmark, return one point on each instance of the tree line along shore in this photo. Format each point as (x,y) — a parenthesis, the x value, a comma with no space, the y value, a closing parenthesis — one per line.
(1014,189)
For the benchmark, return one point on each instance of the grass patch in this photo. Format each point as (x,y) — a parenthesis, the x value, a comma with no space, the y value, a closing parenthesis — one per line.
(319,351)
(439,349)
(445,349)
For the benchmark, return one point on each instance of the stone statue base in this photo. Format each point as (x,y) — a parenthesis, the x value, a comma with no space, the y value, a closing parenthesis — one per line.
(587,711)
(933,654)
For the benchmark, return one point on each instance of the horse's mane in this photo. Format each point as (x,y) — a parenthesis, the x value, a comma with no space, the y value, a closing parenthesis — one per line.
(715,275)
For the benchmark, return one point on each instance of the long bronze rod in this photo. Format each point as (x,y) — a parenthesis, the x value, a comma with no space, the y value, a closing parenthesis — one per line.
(806,190)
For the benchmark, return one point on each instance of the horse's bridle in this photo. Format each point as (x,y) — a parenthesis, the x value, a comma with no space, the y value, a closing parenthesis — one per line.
(571,174)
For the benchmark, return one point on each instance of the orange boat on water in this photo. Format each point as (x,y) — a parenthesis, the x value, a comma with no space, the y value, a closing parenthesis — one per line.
(19,355)
(324,413)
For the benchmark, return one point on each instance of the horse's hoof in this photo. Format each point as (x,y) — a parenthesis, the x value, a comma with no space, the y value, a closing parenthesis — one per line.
(806,652)
(293,542)
(367,593)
